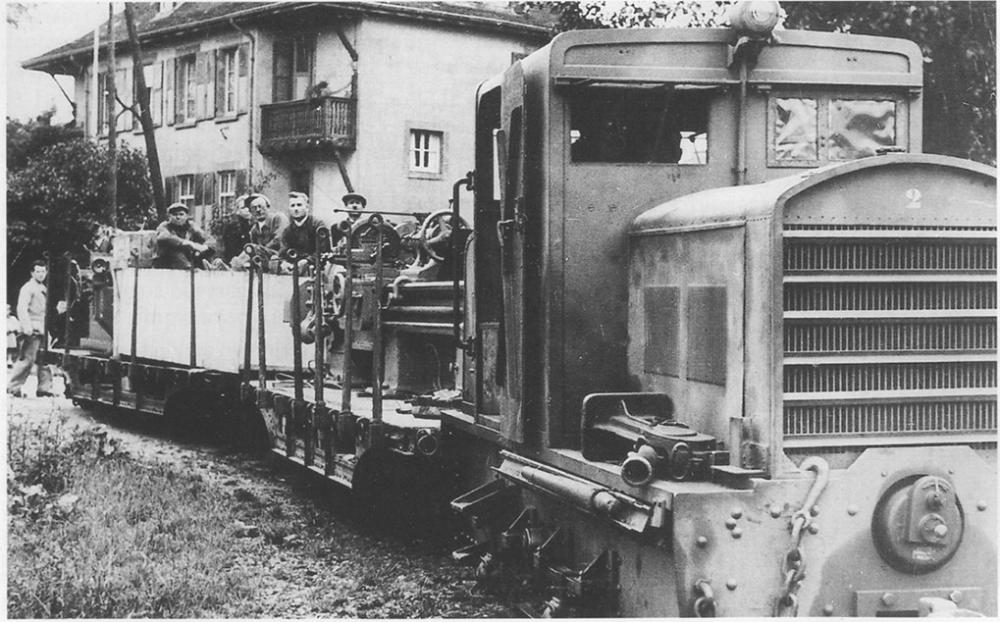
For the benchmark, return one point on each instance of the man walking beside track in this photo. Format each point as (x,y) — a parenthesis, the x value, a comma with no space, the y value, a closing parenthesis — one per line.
(31,306)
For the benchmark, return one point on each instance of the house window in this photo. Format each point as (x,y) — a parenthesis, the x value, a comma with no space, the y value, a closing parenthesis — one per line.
(185,190)
(227,191)
(104,112)
(187,90)
(227,87)
(425,152)
(293,61)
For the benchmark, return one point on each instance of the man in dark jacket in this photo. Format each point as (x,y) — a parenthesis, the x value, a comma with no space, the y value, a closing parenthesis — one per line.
(267,224)
(300,234)
(178,241)
(236,231)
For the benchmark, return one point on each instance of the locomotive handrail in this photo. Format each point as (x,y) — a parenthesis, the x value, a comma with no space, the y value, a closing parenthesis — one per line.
(375,221)
(456,288)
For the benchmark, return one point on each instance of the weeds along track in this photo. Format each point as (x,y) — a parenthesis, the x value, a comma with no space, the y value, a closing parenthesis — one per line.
(122,521)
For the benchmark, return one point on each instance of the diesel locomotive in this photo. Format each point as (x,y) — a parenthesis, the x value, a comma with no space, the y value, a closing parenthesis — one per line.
(714,337)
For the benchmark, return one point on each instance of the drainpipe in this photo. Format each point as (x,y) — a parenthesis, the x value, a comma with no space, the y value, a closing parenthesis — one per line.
(250,105)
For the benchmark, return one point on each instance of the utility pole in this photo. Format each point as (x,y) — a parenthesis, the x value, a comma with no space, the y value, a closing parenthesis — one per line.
(145,118)
(112,122)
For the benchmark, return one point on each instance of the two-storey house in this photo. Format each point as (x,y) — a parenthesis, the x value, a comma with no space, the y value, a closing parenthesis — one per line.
(323,98)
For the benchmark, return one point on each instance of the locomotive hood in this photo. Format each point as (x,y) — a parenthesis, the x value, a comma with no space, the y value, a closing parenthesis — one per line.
(732,205)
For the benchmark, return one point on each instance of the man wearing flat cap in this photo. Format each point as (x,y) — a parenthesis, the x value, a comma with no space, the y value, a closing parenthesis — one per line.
(354,201)
(178,241)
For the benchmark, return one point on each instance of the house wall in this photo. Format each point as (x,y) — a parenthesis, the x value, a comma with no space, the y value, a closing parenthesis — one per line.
(208,145)
(411,75)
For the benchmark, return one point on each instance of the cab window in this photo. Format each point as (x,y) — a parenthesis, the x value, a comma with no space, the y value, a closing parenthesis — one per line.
(811,131)
(654,125)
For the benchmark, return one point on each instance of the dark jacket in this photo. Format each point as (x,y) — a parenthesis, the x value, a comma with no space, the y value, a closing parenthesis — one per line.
(301,238)
(268,232)
(235,236)
(171,248)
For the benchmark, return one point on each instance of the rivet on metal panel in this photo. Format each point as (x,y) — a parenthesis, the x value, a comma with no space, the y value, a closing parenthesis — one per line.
(888,599)
(981,506)
(955,597)
(828,609)
(884,473)
(730,523)
(731,584)
(702,541)
(737,512)
(852,510)
(814,529)
(775,511)
(951,471)
(737,533)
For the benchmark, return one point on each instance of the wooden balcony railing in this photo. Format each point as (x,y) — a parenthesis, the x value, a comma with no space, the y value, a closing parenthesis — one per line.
(316,124)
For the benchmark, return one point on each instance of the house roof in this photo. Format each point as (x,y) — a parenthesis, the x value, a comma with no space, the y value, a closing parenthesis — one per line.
(190,18)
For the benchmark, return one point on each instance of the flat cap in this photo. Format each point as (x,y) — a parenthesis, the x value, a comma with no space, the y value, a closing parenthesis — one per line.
(353,196)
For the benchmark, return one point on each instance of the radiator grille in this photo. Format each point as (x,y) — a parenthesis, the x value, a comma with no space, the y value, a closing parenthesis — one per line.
(889,296)
(977,335)
(875,256)
(891,418)
(846,298)
(889,377)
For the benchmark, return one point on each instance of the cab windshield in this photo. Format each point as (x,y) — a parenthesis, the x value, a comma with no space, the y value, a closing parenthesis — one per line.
(658,125)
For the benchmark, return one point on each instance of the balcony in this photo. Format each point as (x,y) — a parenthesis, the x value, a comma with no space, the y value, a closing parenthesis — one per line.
(320,124)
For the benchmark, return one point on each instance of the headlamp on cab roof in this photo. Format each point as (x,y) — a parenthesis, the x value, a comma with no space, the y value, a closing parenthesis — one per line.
(754,18)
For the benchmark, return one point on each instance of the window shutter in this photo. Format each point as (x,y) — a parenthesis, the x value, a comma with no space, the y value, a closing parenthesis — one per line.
(156,95)
(207,188)
(210,109)
(171,107)
(242,78)
(199,190)
(170,189)
(241,182)
(201,85)
(220,79)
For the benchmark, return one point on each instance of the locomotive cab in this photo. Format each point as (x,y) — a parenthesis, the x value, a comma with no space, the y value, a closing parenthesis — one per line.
(578,139)
(705,307)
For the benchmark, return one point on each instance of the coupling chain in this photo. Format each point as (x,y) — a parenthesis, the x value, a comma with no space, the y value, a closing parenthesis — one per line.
(793,564)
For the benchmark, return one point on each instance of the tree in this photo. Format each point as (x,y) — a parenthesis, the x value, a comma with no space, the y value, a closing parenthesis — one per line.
(958,40)
(56,202)
(27,140)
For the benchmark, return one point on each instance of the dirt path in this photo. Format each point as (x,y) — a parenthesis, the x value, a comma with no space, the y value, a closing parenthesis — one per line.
(311,555)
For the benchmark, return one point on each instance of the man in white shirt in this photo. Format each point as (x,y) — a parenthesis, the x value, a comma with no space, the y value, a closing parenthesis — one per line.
(31,308)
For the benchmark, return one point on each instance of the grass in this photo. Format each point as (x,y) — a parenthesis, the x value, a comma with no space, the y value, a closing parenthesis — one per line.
(93,533)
